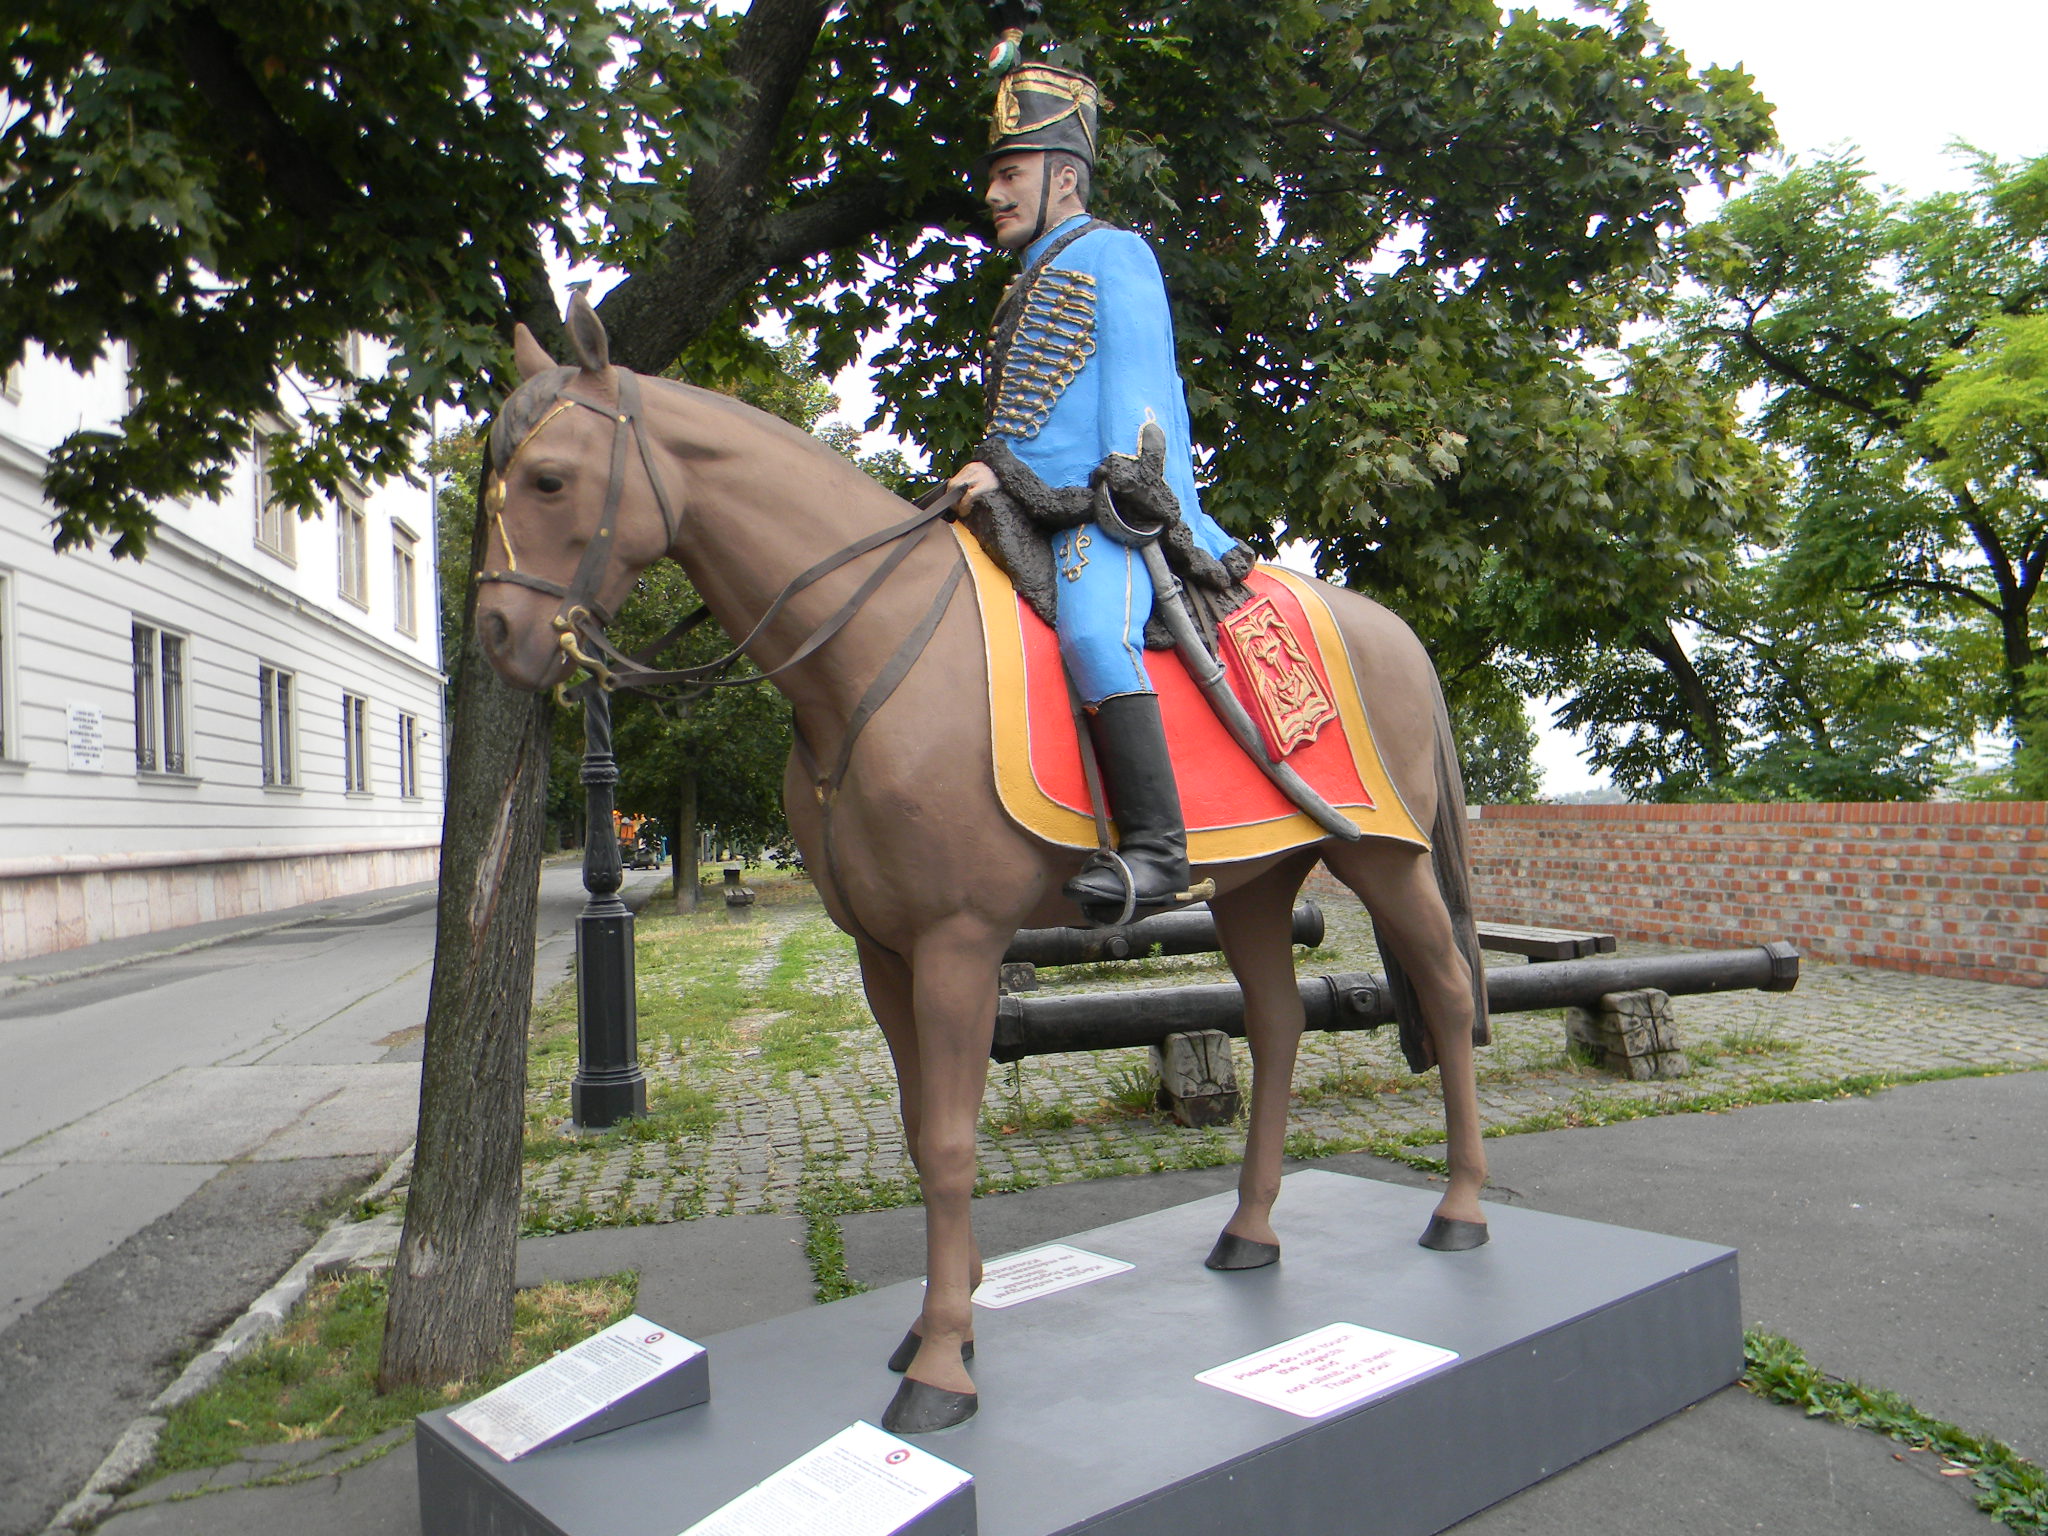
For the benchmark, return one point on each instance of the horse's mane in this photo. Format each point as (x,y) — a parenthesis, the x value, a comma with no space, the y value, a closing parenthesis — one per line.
(527,406)
(522,412)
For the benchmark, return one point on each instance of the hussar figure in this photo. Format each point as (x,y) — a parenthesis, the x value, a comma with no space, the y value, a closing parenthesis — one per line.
(1083,394)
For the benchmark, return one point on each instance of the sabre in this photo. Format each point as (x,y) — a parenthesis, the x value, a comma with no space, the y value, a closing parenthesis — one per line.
(1209,677)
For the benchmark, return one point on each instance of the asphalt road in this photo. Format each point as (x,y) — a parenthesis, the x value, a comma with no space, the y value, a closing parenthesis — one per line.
(172,1130)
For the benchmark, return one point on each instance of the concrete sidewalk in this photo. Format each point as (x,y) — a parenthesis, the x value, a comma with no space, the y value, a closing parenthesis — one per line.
(175,1108)
(1899,1238)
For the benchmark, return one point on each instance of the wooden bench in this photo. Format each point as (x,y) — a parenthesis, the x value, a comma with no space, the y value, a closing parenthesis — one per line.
(1543,943)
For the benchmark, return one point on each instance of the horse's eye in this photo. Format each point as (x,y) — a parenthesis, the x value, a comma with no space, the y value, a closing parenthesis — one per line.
(549,483)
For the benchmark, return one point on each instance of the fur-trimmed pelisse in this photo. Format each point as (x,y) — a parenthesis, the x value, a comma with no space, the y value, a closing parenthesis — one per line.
(1015,524)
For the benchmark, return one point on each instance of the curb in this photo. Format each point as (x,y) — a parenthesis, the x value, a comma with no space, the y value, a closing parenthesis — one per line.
(347,1245)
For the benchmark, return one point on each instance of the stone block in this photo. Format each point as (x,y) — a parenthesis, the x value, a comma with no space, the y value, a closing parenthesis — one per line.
(1630,1033)
(1198,1078)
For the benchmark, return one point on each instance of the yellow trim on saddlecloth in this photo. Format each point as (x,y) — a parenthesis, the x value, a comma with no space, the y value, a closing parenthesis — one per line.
(1037,813)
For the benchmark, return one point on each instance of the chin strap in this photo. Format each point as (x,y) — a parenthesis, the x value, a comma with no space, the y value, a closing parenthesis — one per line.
(1044,196)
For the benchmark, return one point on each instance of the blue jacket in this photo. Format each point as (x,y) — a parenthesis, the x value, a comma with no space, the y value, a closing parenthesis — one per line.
(1092,361)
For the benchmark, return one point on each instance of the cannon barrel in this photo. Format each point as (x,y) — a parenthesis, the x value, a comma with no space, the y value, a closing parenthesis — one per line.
(1103,1021)
(1189,932)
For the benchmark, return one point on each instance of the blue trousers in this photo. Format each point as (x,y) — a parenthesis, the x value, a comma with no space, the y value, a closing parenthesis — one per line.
(1104,598)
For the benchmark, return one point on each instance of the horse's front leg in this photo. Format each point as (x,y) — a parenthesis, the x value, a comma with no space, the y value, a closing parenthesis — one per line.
(886,978)
(1255,922)
(953,990)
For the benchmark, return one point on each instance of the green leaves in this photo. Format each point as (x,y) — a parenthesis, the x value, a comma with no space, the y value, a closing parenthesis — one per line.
(235,191)
(1899,351)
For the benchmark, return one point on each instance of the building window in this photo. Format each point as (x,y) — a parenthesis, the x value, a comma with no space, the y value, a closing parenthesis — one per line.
(159,700)
(277,530)
(278,712)
(355,547)
(7,743)
(409,756)
(10,385)
(355,744)
(405,599)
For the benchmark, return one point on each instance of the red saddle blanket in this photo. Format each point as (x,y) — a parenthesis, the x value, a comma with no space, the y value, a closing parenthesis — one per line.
(1287,664)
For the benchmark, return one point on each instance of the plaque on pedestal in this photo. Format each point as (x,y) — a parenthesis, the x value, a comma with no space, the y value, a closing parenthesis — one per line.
(633,1370)
(861,1482)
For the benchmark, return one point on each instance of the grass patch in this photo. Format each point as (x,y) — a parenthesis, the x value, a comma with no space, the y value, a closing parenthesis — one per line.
(1354,1083)
(1132,1091)
(1759,1038)
(1020,1114)
(822,1200)
(316,1377)
(1588,1109)
(2008,1487)
(806,1036)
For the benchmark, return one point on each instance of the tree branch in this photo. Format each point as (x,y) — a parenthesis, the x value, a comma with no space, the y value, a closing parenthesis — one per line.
(1785,368)
(296,175)
(1953,589)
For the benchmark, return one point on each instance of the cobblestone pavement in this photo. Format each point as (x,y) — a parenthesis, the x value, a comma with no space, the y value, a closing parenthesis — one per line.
(1070,1117)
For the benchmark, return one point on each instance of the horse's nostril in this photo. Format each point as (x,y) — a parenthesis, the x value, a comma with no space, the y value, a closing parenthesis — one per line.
(495,631)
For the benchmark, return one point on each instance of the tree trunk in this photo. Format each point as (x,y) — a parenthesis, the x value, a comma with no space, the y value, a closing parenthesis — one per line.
(450,1313)
(683,868)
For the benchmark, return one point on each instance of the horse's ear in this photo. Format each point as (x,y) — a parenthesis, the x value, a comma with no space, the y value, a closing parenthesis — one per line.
(528,353)
(586,333)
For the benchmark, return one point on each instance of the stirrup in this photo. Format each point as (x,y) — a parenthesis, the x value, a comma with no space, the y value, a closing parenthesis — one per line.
(1116,917)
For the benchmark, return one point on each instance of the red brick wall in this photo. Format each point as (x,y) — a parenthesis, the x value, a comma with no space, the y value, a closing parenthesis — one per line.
(1950,889)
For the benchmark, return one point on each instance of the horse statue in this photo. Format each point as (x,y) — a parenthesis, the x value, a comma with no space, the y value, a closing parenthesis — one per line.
(595,473)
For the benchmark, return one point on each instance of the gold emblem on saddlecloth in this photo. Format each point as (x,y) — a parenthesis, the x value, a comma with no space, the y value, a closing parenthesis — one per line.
(1292,701)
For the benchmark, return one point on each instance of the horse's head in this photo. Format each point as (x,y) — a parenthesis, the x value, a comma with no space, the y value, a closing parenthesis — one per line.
(574,511)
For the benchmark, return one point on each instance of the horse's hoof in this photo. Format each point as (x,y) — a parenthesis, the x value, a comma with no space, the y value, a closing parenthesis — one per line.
(904,1353)
(1446,1234)
(918,1408)
(1234,1252)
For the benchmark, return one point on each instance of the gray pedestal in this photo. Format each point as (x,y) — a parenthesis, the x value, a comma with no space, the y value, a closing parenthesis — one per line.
(1571,1336)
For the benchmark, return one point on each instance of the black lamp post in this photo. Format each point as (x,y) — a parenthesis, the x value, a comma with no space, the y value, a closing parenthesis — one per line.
(609,1085)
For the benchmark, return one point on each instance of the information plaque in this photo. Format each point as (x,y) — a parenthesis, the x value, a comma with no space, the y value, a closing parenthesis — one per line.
(1332,1368)
(633,1370)
(861,1482)
(1041,1272)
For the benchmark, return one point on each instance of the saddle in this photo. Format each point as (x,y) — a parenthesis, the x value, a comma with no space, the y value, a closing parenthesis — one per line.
(1286,661)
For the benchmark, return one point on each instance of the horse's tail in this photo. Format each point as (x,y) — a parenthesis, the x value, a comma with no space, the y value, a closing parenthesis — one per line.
(1452,862)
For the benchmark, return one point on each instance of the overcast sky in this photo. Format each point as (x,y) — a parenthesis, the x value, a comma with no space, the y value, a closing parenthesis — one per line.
(1898,81)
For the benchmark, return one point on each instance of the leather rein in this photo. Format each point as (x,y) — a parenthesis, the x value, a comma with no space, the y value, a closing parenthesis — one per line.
(580,619)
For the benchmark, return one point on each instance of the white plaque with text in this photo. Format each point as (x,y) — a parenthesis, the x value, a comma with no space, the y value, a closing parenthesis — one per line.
(1332,1368)
(85,737)
(1041,1272)
(861,1482)
(539,1406)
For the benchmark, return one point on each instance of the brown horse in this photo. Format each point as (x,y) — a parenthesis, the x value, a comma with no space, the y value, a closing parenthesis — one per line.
(596,474)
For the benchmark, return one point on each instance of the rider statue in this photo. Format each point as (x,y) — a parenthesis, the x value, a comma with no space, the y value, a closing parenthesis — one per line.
(1081,362)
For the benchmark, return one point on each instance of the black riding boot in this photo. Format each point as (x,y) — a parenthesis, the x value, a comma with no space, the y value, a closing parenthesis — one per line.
(1137,780)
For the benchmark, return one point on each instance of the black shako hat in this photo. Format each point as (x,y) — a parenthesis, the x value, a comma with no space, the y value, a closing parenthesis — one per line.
(1039,107)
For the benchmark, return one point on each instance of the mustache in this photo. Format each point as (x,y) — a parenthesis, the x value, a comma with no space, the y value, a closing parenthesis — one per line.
(996,209)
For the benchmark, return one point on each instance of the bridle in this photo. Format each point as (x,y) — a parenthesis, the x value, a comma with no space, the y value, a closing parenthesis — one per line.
(579,619)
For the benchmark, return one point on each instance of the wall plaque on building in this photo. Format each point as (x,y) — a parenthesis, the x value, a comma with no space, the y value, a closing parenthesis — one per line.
(85,737)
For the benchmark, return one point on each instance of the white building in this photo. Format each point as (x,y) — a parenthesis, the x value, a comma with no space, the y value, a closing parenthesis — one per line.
(247,719)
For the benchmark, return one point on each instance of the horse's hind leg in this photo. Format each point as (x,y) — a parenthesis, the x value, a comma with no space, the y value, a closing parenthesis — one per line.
(1255,924)
(1398,886)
